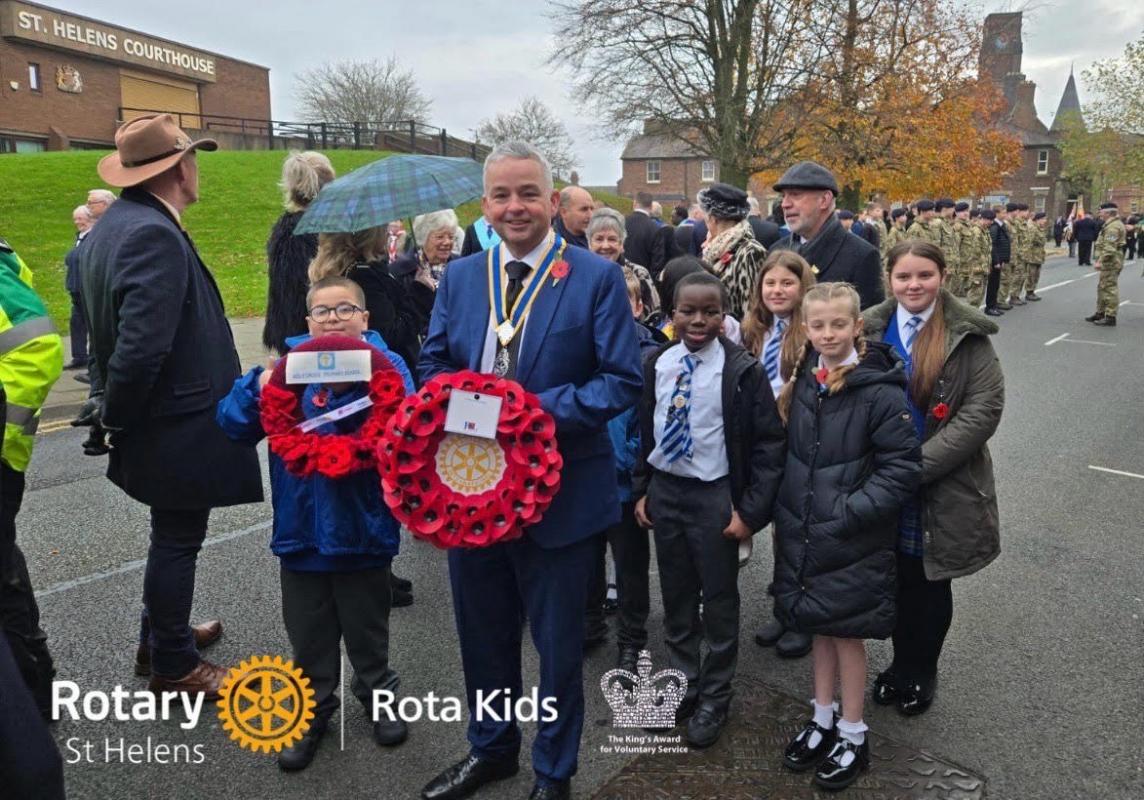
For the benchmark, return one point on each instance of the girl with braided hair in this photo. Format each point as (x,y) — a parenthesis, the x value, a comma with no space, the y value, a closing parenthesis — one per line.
(852,459)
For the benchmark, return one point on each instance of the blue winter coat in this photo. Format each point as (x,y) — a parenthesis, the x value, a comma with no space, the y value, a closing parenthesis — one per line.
(624,430)
(319,516)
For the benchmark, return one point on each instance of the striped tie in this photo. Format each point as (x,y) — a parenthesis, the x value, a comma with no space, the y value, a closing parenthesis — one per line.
(677,432)
(912,326)
(771,351)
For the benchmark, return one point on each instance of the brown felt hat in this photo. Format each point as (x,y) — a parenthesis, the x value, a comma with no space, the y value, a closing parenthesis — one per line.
(145,147)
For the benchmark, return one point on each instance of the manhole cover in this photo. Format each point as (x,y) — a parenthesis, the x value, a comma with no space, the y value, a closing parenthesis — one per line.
(747,762)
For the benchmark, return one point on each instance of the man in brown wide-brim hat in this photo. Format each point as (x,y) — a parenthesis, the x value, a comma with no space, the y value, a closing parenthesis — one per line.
(162,358)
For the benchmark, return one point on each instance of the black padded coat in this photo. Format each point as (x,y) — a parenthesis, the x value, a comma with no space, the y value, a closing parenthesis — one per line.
(852,459)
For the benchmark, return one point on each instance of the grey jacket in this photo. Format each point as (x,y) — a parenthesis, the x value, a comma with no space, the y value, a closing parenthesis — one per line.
(959,498)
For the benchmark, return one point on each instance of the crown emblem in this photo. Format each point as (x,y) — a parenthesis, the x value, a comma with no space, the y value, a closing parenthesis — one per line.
(642,700)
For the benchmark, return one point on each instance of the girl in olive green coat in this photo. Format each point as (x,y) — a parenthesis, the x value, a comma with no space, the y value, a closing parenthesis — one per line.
(956,393)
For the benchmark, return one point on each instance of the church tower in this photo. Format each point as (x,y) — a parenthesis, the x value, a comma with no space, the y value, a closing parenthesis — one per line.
(1001,50)
(1069,106)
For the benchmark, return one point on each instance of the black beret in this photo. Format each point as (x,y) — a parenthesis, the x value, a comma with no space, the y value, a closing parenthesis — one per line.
(898,212)
(844,214)
(975,213)
(1039,215)
(961,207)
(924,205)
(724,201)
(1011,207)
(1023,206)
(945,202)
(1105,206)
(988,213)
(807,175)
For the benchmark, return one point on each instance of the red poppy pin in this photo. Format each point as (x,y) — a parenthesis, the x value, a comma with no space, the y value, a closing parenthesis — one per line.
(821,374)
(559,270)
(940,411)
(725,258)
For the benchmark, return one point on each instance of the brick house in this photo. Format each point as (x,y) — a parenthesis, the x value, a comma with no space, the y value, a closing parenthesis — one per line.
(669,169)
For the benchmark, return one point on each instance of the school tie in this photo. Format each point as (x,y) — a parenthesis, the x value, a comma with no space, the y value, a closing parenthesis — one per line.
(677,432)
(913,325)
(771,351)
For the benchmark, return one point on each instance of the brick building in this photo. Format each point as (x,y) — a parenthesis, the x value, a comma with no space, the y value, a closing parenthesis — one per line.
(67,81)
(669,169)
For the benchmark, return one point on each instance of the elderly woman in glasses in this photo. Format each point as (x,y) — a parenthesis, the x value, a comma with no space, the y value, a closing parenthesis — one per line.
(435,233)
(606,233)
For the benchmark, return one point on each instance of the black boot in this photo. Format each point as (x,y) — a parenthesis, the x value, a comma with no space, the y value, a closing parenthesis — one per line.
(1099,315)
(298,757)
(1109,322)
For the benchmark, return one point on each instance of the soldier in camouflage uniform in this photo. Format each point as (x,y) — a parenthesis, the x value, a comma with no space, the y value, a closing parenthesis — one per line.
(1037,239)
(1011,220)
(923,225)
(948,242)
(977,252)
(1109,252)
(896,233)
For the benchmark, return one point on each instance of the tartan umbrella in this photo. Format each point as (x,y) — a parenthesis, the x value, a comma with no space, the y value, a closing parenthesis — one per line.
(391,188)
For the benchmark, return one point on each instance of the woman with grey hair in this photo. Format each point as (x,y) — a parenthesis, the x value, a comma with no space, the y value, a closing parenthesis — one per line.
(435,234)
(606,233)
(731,250)
(303,176)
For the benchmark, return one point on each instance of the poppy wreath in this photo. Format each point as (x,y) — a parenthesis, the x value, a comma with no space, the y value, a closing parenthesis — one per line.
(331,455)
(463,491)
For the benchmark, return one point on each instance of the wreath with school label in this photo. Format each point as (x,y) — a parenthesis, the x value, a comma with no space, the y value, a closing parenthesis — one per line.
(456,490)
(295,440)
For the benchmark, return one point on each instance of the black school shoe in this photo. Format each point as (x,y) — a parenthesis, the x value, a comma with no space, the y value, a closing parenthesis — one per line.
(885,690)
(298,757)
(916,696)
(832,775)
(704,728)
(770,633)
(800,756)
(390,733)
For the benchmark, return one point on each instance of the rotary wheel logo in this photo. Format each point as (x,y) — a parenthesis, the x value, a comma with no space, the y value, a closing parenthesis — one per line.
(469,465)
(266,703)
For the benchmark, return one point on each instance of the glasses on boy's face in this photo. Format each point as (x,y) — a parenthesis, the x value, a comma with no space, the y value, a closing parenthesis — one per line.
(342,311)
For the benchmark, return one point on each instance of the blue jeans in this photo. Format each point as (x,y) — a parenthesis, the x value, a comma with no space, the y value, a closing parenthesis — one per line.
(169,589)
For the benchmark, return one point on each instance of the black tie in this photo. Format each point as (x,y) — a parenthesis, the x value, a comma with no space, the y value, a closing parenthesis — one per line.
(517,270)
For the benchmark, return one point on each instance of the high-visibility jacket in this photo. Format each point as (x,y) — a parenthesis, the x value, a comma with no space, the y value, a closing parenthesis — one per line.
(31,357)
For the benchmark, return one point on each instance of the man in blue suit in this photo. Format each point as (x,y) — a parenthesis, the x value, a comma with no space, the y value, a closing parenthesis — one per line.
(572,341)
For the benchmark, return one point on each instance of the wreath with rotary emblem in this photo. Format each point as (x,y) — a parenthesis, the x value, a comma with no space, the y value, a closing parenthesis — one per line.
(305,453)
(455,490)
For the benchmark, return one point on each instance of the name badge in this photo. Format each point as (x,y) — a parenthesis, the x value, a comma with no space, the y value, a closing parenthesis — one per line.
(337,366)
(473,414)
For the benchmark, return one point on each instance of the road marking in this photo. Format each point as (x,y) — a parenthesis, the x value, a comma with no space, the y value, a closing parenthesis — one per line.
(1086,341)
(52,427)
(131,566)
(1117,472)
(1052,286)
(1051,342)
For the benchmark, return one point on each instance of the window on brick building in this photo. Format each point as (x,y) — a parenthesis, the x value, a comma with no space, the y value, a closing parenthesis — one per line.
(1042,162)
(708,170)
(34,77)
(1039,203)
(653,172)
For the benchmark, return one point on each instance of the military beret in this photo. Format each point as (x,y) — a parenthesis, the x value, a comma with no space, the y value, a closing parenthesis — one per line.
(1011,207)
(944,202)
(1039,215)
(961,207)
(723,201)
(988,213)
(975,213)
(1022,206)
(898,212)
(924,205)
(1106,206)
(844,214)
(807,175)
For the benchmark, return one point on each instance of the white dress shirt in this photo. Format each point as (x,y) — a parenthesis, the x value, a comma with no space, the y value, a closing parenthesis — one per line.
(533,259)
(850,359)
(902,317)
(777,383)
(709,447)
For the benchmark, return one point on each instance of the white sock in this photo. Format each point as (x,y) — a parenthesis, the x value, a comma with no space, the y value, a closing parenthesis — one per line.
(823,718)
(854,732)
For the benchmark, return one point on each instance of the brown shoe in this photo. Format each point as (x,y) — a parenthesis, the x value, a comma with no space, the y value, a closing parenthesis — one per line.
(205,634)
(204,679)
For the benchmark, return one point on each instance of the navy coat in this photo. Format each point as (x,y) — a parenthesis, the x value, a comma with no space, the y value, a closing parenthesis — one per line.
(164,353)
(842,257)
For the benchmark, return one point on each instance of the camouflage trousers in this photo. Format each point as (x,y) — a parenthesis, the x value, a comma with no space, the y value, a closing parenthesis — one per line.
(1032,277)
(975,286)
(1012,281)
(957,281)
(1108,289)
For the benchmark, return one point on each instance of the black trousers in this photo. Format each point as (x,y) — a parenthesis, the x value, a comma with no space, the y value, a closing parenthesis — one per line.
(169,589)
(694,556)
(78,328)
(19,614)
(1084,255)
(1130,249)
(321,609)
(30,763)
(992,286)
(925,610)
(631,552)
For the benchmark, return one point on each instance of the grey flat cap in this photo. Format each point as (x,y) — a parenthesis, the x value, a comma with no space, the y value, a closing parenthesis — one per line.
(807,175)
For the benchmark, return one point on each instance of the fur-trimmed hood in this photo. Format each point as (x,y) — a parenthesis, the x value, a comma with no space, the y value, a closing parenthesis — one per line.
(961,320)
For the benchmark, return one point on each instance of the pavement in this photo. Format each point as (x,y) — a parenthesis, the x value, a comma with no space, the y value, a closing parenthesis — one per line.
(1042,677)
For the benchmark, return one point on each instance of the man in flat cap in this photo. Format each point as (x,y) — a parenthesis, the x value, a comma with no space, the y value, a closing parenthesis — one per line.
(1109,262)
(809,191)
(163,353)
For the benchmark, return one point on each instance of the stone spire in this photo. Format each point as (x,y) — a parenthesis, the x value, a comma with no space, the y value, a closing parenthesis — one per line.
(1069,105)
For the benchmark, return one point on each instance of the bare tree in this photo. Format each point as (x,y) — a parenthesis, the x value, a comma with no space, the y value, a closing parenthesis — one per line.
(722,75)
(533,122)
(372,92)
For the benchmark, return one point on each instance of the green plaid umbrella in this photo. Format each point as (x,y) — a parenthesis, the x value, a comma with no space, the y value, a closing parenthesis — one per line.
(391,188)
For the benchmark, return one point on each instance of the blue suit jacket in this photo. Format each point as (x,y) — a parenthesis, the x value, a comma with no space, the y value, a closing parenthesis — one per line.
(580,355)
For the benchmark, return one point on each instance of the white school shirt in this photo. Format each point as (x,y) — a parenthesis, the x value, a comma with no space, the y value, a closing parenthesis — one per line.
(533,259)
(777,383)
(709,459)
(902,317)
(850,359)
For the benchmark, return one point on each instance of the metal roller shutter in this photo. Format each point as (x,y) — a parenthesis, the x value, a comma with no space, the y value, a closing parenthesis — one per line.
(153,93)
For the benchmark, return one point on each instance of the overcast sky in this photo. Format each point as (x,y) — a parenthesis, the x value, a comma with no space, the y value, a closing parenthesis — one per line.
(475,57)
